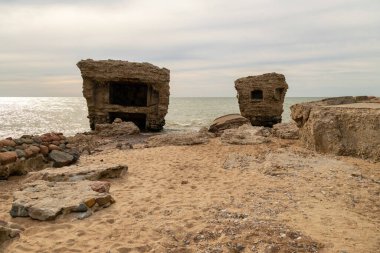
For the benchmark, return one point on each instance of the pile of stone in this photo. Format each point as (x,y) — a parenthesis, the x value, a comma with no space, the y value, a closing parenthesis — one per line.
(28,153)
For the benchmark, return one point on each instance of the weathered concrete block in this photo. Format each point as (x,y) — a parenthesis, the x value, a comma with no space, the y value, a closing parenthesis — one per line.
(76,173)
(261,98)
(43,200)
(342,126)
(137,92)
(227,122)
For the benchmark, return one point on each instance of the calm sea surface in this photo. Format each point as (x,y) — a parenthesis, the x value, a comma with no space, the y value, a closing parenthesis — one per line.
(37,115)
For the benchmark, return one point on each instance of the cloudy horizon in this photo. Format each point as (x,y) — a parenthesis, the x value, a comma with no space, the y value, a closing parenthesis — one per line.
(324,48)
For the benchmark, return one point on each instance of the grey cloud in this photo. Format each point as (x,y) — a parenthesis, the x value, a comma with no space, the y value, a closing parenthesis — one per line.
(324,48)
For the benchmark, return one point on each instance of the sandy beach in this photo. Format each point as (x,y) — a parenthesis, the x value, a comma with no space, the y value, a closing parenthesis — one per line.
(218,197)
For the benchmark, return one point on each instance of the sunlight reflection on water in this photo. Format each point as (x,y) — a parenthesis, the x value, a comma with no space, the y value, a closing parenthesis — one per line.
(37,115)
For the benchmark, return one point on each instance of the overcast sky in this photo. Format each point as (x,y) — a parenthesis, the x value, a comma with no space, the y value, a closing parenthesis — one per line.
(324,48)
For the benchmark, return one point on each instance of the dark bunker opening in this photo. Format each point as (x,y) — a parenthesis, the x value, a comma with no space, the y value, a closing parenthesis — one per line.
(257,95)
(128,93)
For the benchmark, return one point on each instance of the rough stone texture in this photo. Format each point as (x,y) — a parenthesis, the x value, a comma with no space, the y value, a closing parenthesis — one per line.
(226,122)
(191,138)
(118,127)
(99,77)
(7,142)
(22,167)
(286,131)
(60,158)
(245,135)
(7,157)
(261,98)
(31,153)
(341,126)
(77,173)
(43,200)
(9,231)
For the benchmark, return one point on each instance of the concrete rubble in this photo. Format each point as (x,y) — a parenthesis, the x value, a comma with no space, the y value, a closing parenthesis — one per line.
(286,131)
(77,173)
(227,122)
(43,200)
(118,127)
(342,126)
(246,135)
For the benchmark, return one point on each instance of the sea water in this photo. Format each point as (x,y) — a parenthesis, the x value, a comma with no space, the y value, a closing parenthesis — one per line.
(38,115)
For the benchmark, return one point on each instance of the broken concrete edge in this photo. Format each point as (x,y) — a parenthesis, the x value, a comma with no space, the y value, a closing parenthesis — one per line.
(300,112)
(77,173)
(226,122)
(347,126)
(22,208)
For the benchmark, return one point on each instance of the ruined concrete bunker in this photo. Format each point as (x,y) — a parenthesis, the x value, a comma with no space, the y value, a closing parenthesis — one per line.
(261,98)
(137,92)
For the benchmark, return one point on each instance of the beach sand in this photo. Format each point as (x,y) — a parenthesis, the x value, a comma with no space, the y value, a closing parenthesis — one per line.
(219,198)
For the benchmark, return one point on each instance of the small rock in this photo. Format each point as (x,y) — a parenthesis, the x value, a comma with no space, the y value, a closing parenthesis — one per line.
(60,158)
(34,149)
(101,186)
(37,139)
(7,142)
(227,122)
(49,137)
(117,120)
(44,149)
(8,157)
(57,143)
(20,153)
(27,140)
(53,147)
(28,153)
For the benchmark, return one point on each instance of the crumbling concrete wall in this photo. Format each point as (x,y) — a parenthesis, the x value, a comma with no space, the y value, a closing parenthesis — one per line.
(341,126)
(261,98)
(99,76)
